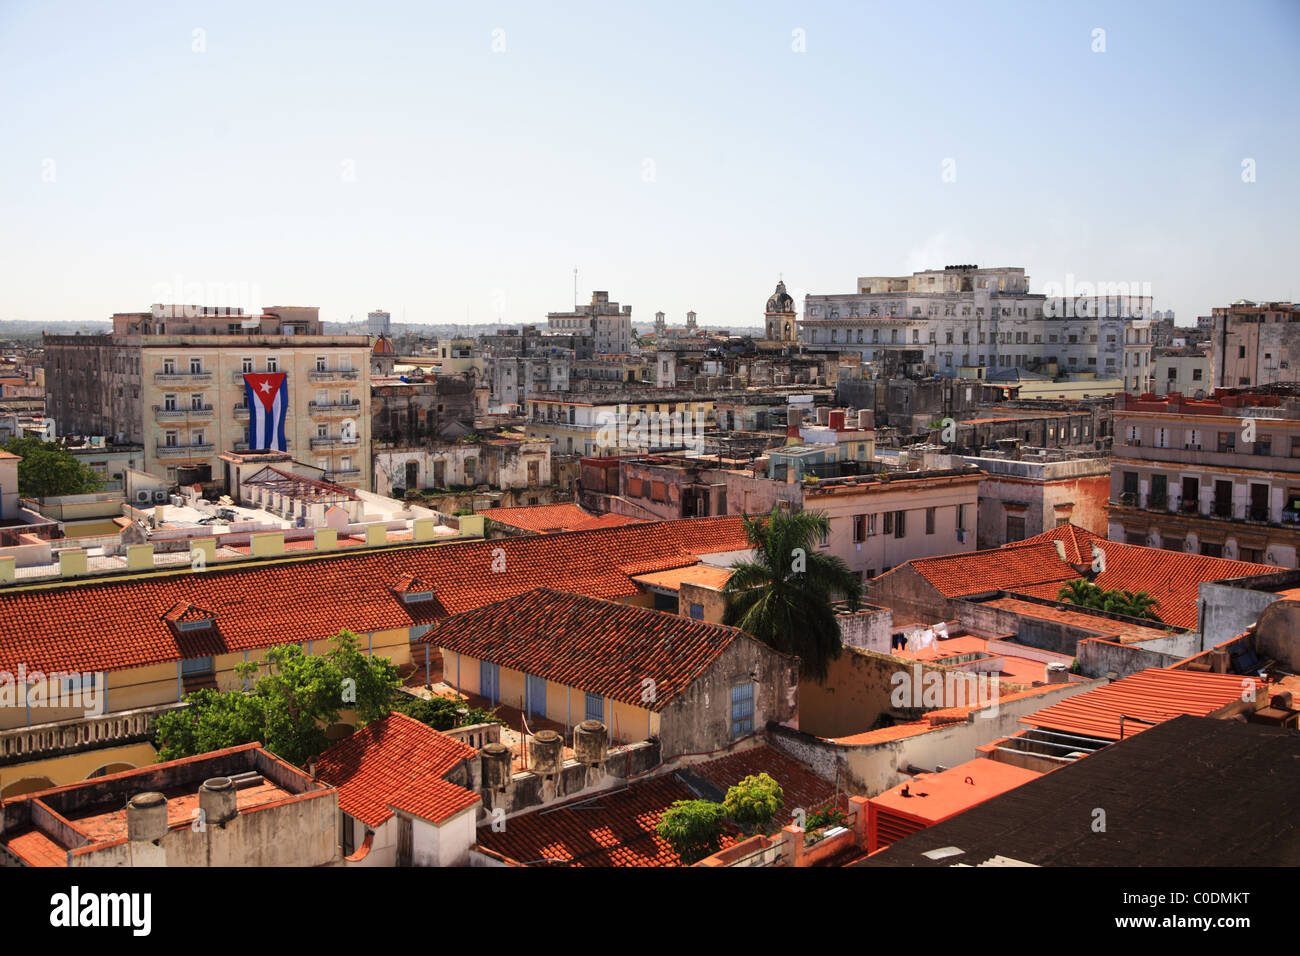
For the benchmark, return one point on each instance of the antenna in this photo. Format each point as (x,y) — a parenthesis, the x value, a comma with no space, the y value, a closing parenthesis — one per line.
(575,288)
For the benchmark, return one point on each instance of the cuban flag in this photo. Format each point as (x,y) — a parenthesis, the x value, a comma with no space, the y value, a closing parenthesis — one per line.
(267,396)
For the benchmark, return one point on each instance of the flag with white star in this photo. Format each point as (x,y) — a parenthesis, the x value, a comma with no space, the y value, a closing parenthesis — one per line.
(267,398)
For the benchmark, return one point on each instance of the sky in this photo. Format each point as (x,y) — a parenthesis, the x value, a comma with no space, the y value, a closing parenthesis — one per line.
(456,162)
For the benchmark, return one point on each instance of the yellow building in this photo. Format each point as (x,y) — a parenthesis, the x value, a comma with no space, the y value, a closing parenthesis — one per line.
(173,380)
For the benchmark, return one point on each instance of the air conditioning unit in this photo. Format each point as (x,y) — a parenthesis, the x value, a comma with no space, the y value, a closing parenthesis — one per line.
(159,496)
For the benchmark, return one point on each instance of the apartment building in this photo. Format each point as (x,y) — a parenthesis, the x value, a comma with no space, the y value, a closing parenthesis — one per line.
(967,317)
(1137,357)
(172,379)
(1218,476)
(619,423)
(1255,344)
(604,326)
(1186,371)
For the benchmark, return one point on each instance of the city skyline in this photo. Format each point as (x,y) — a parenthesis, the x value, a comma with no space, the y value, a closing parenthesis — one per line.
(458,169)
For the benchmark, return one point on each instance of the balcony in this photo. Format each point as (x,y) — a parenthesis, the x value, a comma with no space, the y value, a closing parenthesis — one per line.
(241,413)
(190,414)
(334,375)
(182,379)
(335,441)
(1157,502)
(185,451)
(343,474)
(329,409)
(79,734)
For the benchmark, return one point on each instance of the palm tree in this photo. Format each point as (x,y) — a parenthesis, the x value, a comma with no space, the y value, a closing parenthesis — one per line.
(1140,604)
(783,597)
(1079,591)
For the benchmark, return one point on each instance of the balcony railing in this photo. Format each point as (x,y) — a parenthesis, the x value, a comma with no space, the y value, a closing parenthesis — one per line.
(185,451)
(334,375)
(322,409)
(182,379)
(336,441)
(342,473)
(182,414)
(241,413)
(82,733)
(1157,502)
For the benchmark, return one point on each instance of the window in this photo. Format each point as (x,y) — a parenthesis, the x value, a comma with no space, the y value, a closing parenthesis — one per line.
(196,665)
(859,528)
(273,364)
(321,364)
(246,365)
(1227,442)
(961,517)
(169,403)
(196,366)
(169,439)
(1015,528)
(169,366)
(889,522)
(697,611)
(742,709)
(929,521)
(1264,445)
(197,401)
(595,708)
(900,519)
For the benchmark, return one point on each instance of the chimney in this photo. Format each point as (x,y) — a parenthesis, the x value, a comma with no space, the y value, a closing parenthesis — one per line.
(217,800)
(1057,673)
(146,817)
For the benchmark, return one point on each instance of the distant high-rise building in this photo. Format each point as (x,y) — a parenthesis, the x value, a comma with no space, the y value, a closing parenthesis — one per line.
(379,323)
(603,323)
(1255,344)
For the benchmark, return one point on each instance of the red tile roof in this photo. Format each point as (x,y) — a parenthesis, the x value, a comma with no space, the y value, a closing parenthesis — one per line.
(434,800)
(396,761)
(802,788)
(1155,694)
(592,645)
(613,829)
(1034,567)
(102,625)
(1009,568)
(546,519)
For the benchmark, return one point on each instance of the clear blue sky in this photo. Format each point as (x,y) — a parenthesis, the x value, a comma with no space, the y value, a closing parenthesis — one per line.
(482,178)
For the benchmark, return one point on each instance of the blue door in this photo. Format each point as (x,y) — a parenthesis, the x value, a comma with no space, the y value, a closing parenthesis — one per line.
(595,707)
(742,709)
(536,691)
(489,681)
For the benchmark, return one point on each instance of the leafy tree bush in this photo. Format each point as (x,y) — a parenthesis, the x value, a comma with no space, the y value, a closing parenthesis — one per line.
(295,698)
(754,800)
(48,470)
(693,828)
(443,713)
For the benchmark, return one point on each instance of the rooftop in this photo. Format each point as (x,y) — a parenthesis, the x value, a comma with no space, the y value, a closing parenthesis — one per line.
(1154,695)
(548,519)
(1190,792)
(103,625)
(397,761)
(600,647)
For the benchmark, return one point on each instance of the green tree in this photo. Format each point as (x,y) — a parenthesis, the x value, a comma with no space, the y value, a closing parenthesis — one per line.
(295,698)
(754,801)
(1086,594)
(48,469)
(783,597)
(443,713)
(693,828)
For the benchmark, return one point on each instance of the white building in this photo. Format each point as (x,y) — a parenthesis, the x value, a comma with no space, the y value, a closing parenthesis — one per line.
(963,316)
(379,323)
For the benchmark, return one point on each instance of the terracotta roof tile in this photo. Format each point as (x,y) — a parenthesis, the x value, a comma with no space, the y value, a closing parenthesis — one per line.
(614,829)
(1155,694)
(592,645)
(103,625)
(546,519)
(396,761)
